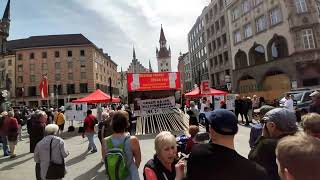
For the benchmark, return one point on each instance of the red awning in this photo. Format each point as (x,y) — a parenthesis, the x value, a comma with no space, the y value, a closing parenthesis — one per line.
(116,100)
(96,97)
(196,93)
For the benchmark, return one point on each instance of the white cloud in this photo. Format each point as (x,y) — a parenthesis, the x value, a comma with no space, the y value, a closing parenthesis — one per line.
(140,20)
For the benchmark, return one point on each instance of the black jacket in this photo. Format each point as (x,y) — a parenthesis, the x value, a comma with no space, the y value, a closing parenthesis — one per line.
(160,170)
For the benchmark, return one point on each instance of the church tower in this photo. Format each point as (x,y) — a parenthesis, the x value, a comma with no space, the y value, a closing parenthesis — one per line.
(4,29)
(164,54)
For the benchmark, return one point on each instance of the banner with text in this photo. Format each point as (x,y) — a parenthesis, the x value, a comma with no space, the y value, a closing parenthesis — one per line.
(148,104)
(153,81)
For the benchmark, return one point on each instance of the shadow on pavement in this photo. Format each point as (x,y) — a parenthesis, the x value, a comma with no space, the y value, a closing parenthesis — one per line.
(6,159)
(77,159)
(93,173)
(11,166)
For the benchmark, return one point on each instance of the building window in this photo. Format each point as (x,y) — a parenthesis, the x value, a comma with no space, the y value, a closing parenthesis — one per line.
(247,30)
(70,76)
(226,57)
(57,89)
(20,68)
(71,89)
(44,55)
(224,39)
(97,76)
(235,13)
(44,67)
(32,78)
(32,91)
(83,75)
(275,16)
(217,26)
(246,5)
(257,2)
(31,56)
(222,22)
(19,57)
(9,62)
(56,54)
(69,53)
(82,53)
(219,42)
(308,39)
(20,79)
(57,65)
(261,23)
(32,67)
(70,65)
(301,6)
(318,7)
(58,77)
(83,87)
(237,36)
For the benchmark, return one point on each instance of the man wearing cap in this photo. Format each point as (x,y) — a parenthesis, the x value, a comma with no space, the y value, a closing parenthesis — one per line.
(278,123)
(219,160)
(256,130)
(315,106)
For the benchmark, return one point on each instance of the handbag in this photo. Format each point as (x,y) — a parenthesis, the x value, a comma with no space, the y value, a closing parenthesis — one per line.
(55,171)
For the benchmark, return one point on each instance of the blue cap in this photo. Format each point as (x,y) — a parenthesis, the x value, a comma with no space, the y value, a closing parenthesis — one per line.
(223,121)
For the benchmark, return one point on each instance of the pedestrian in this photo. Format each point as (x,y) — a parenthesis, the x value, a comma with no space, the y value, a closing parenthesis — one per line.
(4,122)
(105,128)
(193,130)
(128,110)
(315,106)
(192,118)
(218,159)
(50,149)
(120,142)
(36,126)
(288,103)
(202,107)
(278,123)
(311,124)
(194,110)
(89,122)
(60,121)
(223,105)
(262,101)
(162,165)
(12,133)
(238,107)
(246,106)
(255,102)
(298,157)
(256,129)
(17,115)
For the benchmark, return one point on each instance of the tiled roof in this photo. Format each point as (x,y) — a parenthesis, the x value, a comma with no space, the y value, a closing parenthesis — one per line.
(49,40)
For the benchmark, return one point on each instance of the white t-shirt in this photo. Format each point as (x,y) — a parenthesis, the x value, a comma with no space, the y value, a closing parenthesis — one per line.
(203,105)
(289,104)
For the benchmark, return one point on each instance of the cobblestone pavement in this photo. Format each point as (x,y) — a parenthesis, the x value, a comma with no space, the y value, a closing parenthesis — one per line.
(82,165)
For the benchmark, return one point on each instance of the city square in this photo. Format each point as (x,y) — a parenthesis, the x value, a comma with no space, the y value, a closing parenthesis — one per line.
(153,90)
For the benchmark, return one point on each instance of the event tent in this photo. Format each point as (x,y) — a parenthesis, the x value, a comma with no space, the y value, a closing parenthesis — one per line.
(97,97)
(196,93)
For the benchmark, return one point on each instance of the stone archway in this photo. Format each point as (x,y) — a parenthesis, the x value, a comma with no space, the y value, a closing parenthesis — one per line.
(277,48)
(257,54)
(240,59)
(275,82)
(247,84)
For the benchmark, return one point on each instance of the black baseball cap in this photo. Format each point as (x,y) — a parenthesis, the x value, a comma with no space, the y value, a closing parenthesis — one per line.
(223,121)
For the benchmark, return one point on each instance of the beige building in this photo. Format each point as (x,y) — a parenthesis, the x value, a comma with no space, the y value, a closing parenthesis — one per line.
(218,44)
(7,74)
(73,64)
(135,65)
(274,45)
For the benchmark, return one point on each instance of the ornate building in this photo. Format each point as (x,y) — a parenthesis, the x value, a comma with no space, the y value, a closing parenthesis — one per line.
(164,54)
(135,65)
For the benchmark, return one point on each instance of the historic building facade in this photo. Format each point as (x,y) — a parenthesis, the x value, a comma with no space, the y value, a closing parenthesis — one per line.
(73,65)
(135,65)
(274,45)
(218,44)
(163,54)
(182,70)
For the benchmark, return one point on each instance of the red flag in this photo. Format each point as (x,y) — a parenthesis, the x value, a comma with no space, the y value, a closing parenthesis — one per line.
(43,87)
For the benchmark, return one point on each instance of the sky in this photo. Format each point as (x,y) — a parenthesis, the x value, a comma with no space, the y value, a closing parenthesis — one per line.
(114,25)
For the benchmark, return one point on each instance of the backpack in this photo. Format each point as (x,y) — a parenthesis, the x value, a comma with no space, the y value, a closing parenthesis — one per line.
(115,160)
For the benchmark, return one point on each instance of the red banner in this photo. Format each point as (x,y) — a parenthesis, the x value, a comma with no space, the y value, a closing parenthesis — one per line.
(153,81)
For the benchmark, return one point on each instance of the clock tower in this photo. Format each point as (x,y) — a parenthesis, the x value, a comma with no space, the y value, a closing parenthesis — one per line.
(164,54)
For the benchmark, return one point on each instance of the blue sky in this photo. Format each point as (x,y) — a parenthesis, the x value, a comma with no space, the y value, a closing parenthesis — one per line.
(114,25)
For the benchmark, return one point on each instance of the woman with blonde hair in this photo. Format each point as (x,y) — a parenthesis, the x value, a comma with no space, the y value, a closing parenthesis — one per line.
(162,166)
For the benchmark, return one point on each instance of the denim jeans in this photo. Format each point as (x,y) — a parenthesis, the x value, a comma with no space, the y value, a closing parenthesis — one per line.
(5,145)
(90,137)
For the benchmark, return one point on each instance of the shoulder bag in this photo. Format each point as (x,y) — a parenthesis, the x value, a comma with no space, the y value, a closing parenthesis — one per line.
(55,171)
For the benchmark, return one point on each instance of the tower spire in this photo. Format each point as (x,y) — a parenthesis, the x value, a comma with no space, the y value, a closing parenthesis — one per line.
(134,54)
(162,39)
(6,14)
(150,68)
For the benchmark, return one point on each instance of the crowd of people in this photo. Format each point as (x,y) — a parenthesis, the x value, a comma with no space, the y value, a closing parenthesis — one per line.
(279,149)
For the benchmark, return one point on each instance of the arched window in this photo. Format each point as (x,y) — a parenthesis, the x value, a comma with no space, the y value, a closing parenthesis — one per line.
(257,55)
(240,59)
(277,48)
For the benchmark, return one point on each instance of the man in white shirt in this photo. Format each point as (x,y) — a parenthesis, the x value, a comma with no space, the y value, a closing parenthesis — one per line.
(288,103)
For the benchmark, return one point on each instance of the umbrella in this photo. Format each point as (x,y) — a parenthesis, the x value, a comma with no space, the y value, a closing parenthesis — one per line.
(213,92)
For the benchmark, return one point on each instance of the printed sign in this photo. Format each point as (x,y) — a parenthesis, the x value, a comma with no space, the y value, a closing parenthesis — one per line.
(153,81)
(217,100)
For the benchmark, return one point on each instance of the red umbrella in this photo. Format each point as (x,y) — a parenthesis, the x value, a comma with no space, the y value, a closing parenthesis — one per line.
(96,97)
(196,93)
